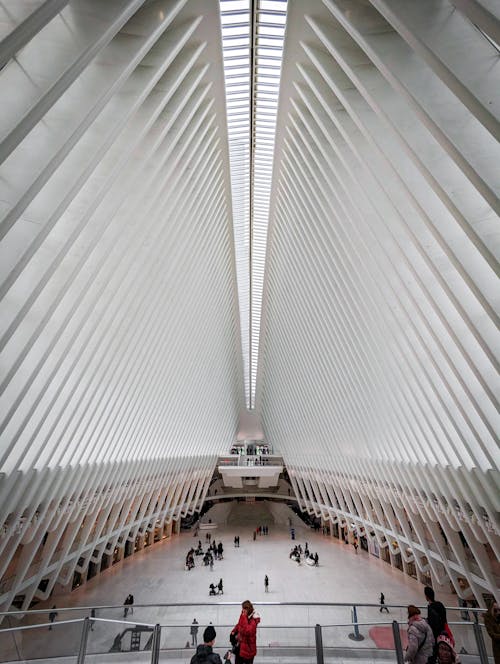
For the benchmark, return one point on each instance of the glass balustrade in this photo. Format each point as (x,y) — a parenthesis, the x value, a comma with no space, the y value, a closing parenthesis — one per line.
(291,632)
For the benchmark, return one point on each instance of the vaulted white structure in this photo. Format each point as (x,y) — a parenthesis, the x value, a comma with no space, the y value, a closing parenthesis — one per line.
(127,358)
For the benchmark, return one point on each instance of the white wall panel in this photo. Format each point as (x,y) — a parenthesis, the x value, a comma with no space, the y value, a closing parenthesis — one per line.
(379,375)
(119,343)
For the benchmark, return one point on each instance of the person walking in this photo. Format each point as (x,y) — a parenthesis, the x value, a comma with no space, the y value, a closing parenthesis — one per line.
(194,632)
(266,584)
(220,587)
(382,603)
(492,624)
(420,638)
(128,605)
(52,616)
(92,621)
(246,633)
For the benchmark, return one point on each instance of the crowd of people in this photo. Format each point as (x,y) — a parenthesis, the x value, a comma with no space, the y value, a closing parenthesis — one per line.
(298,555)
(213,552)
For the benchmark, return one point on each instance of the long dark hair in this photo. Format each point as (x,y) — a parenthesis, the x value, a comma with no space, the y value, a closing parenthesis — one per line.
(247,606)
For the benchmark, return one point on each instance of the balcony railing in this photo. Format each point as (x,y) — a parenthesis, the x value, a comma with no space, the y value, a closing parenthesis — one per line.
(244,460)
(317,632)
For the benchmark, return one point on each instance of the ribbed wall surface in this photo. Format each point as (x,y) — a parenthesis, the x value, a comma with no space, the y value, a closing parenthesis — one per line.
(379,376)
(121,367)
(121,362)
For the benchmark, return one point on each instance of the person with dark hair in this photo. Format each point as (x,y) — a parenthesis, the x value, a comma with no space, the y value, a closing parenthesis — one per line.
(420,638)
(436,617)
(246,633)
(266,584)
(220,588)
(383,607)
(204,652)
(128,605)
(436,612)
(492,624)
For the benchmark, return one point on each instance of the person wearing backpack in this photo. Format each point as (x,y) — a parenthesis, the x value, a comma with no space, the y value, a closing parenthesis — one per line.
(204,652)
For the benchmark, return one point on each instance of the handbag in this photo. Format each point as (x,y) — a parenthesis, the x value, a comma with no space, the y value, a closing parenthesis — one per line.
(233,639)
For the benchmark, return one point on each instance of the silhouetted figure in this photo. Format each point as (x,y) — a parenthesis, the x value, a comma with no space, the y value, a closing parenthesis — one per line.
(127,605)
(382,603)
(52,616)
(194,632)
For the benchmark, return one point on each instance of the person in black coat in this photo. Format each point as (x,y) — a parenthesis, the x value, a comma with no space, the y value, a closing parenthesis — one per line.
(436,617)
(204,652)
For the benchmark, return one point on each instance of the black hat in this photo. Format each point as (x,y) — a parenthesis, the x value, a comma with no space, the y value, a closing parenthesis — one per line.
(209,634)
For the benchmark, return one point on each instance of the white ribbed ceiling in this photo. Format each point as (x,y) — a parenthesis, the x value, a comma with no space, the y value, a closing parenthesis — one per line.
(128,226)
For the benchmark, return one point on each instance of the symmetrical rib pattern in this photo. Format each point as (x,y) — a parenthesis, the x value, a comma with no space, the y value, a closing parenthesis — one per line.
(120,339)
(379,378)
(120,350)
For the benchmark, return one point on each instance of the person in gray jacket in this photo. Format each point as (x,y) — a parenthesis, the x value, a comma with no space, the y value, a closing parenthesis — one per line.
(420,638)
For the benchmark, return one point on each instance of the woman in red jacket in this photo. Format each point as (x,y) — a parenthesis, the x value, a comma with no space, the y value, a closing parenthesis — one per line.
(246,632)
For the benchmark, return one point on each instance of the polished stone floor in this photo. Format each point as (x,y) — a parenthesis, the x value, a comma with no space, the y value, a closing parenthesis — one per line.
(157,576)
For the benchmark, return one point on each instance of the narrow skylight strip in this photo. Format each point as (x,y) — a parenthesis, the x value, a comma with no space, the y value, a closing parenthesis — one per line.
(236,42)
(270,33)
(251,139)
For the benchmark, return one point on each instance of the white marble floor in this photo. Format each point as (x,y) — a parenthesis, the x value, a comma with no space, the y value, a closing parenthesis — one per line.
(157,576)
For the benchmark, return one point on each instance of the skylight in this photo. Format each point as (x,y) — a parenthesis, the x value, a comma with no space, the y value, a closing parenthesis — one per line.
(252,40)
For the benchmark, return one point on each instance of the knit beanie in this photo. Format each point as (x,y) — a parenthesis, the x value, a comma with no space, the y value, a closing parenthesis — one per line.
(209,634)
(444,638)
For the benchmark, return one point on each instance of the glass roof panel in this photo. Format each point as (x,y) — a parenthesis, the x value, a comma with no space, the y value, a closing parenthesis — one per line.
(251,138)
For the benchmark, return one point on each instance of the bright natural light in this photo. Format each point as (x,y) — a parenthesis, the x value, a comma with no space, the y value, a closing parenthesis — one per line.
(251,139)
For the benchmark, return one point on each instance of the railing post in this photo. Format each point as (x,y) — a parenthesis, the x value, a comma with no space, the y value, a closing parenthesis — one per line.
(319,644)
(397,642)
(155,645)
(481,648)
(355,636)
(83,641)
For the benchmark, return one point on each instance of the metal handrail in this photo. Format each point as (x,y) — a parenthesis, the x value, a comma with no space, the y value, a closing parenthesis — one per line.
(231,603)
(319,647)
